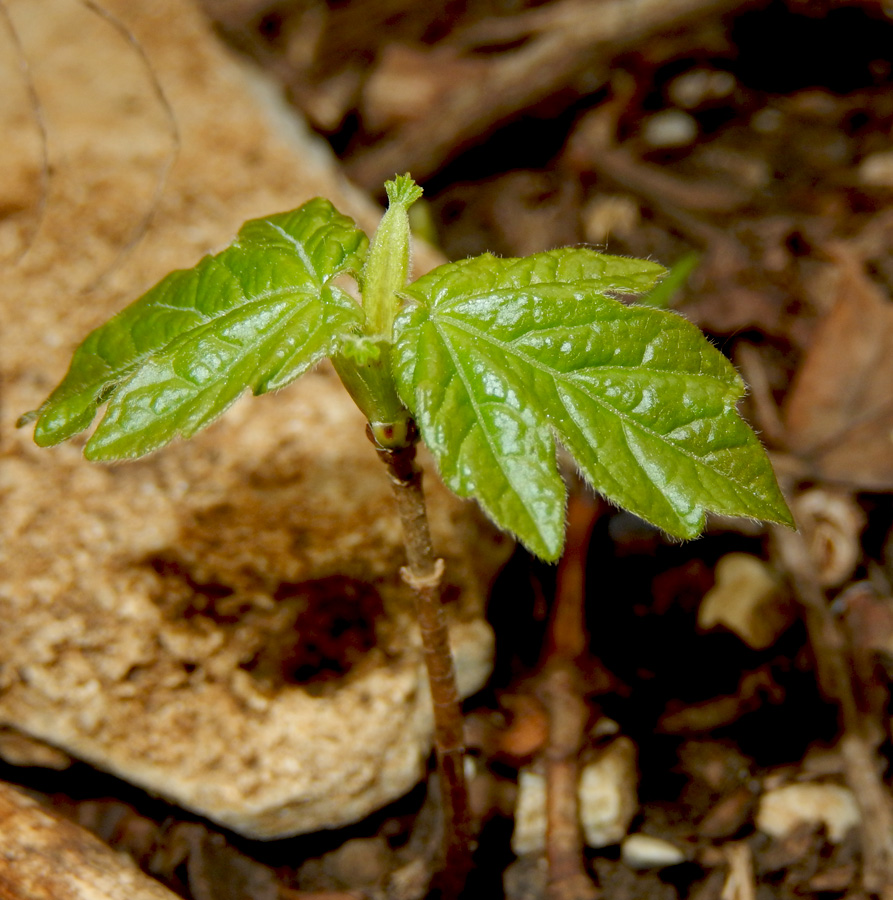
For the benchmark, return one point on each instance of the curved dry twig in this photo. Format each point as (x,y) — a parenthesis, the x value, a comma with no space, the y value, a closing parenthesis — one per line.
(173,127)
(37,112)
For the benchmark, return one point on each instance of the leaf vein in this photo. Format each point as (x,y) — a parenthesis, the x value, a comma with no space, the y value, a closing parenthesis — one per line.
(558,377)
(298,247)
(182,309)
(497,457)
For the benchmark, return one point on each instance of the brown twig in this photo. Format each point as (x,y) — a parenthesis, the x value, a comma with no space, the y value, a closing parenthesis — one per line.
(858,743)
(39,209)
(765,408)
(740,882)
(423,573)
(173,128)
(482,93)
(561,693)
(593,148)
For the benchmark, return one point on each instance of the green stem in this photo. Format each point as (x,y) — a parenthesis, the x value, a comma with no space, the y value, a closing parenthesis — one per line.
(371,386)
(364,367)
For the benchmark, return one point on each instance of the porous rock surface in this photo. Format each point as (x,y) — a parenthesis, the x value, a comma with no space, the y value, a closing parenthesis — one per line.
(221,623)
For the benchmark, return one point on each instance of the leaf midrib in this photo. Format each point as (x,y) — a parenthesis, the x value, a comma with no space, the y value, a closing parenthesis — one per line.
(299,249)
(497,457)
(445,300)
(122,375)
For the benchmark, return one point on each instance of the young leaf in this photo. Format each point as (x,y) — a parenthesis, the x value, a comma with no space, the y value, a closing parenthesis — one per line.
(256,315)
(496,358)
(662,295)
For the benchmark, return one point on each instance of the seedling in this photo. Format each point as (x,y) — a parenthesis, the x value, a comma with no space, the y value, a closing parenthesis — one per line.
(490,360)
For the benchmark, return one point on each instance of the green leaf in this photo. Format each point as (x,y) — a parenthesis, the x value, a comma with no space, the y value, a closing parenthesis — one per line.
(663,294)
(256,315)
(497,358)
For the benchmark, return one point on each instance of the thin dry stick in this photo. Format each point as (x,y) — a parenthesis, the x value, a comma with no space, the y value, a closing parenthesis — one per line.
(858,744)
(740,883)
(568,716)
(37,112)
(167,165)
(568,713)
(570,35)
(424,573)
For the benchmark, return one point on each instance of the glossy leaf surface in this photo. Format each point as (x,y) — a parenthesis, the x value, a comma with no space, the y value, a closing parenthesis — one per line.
(497,358)
(257,315)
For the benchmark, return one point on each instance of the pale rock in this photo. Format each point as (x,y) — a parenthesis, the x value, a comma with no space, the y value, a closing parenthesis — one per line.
(606,794)
(876,169)
(221,623)
(670,128)
(609,216)
(642,851)
(529,834)
(784,809)
(47,857)
(20,750)
(701,86)
(747,599)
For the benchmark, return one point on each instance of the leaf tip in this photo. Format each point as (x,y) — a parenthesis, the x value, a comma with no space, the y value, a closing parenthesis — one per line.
(57,422)
(785,518)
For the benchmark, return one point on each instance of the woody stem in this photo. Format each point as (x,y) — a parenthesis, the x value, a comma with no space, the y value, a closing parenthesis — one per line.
(423,573)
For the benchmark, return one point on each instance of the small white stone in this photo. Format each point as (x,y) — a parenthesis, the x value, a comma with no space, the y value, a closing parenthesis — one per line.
(877,169)
(785,808)
(529,835)
(608,796)
(746,600)
(699,86)
(642,851)
(610,216)
(767,120)
(670,128)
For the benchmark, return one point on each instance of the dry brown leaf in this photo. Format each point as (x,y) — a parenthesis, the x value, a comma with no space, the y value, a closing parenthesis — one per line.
(832,523)
(729,815)
(529,727)
(839,413)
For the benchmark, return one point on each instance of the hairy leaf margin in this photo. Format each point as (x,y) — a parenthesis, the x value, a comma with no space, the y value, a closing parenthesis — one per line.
(499,358)
(256,315)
